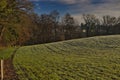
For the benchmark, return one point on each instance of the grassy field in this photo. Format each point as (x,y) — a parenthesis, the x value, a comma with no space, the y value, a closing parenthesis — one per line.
(6,52)
(96,58)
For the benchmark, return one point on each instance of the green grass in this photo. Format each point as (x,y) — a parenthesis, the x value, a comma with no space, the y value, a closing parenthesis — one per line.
(96,58)
(6,52)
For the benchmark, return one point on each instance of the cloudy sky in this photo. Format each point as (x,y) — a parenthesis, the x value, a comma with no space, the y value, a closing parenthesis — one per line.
(79,7)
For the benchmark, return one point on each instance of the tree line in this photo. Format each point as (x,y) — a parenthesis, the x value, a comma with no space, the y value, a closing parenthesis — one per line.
(19,25)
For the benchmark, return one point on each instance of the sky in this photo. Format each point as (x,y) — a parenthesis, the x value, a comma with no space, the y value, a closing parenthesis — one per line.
(78,7)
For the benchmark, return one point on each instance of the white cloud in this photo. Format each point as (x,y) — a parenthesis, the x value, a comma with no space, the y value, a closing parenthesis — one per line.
(107,7)
(74,1)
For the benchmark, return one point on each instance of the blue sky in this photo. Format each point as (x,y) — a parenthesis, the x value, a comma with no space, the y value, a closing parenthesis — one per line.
(42,6)
(79,7)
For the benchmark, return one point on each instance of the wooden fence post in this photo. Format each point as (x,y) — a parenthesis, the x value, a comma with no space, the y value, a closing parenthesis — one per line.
(2,73)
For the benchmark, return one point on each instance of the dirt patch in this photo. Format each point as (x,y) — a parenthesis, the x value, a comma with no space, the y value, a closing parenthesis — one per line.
(9,71)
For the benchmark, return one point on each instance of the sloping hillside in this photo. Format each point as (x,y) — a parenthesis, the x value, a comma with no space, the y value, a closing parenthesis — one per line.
(95,58)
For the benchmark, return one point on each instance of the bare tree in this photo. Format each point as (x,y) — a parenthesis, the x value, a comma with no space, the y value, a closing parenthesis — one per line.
(69,25)
(91,23)
(55,19)
(109,22)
